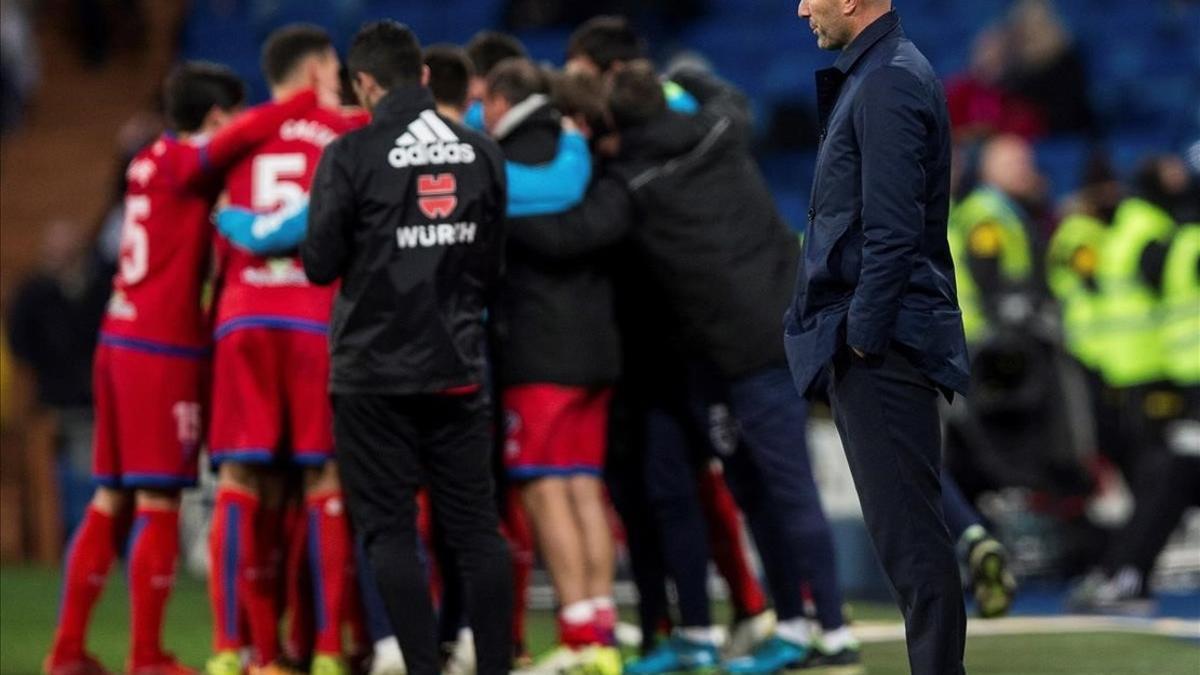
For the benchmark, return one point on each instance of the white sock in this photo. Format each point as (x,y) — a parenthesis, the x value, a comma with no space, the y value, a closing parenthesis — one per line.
(838,639)
(578,612)
(603,602)
(387,656)
(796,631)
(709,635)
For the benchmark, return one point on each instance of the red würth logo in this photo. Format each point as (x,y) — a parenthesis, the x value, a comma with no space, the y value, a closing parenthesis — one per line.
(435,195)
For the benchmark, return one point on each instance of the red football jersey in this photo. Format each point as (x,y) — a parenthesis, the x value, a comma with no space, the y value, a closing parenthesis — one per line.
(166,238)
(165,244)
(273,292)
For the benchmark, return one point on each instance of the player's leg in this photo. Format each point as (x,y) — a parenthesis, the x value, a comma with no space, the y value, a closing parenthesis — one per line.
(88,560)
(245,433)
(727,538)
(787,519)
(671,488)
(534,415)
(153,553)
(94,544)
(753,621)
(588,440)
(329,559)
(519,533)
(298,642)
(329,544)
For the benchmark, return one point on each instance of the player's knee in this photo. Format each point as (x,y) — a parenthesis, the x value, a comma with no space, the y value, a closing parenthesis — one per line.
(160,500)
(239,476)
(323,478)
(110,500)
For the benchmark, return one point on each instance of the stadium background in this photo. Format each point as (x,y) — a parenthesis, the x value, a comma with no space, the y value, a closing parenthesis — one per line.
(80,80)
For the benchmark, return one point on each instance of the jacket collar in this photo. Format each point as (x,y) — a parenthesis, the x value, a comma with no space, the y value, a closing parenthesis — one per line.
(403,101)
(517,115)
(870,35)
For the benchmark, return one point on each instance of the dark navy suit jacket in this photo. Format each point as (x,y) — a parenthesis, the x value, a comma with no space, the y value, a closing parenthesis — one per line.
(876,270)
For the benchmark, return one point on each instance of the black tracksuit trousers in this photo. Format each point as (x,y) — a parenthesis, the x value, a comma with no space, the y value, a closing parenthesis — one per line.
(387,447)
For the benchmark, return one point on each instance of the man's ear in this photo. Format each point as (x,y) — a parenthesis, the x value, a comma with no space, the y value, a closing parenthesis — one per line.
(424,76)
(850,6)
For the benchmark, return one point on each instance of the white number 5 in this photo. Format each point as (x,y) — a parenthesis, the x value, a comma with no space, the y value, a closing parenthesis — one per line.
(135,241)
(275,179)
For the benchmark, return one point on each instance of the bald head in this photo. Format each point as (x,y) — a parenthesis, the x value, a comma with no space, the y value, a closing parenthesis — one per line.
(1007,164)
(837,22)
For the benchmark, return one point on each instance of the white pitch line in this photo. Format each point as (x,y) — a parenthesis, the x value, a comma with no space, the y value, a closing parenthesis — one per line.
(875,631)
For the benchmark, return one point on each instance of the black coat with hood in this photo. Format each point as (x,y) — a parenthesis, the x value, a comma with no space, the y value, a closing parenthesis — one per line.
(553,319)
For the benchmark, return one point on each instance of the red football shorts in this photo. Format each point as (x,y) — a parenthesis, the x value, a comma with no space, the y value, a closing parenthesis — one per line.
(555,430)
(270,398)
(149,416)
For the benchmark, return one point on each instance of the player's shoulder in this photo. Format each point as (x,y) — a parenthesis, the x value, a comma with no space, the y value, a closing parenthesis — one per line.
(154,163)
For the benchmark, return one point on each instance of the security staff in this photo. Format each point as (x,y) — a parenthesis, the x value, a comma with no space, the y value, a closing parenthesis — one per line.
(1180,324)
(408,214)
(1129,305)
(988,233)
(1071,263)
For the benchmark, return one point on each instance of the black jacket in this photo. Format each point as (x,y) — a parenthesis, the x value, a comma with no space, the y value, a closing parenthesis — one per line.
(554,320)
(414,229)
(877,266)
(707,231)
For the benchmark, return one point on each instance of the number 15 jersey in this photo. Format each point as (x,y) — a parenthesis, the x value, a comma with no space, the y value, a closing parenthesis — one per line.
(272,292)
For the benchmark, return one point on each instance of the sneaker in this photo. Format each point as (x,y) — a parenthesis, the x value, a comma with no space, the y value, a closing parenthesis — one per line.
(748,633)
(772,656)
(599,660)
(1123,593)
(224,663)
(86,664)
(992,584)
(168,666)
(326,664)
(845,661)
(561,659)
(677,655)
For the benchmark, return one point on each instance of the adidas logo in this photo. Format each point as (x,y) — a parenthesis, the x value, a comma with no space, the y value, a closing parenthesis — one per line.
(429,141)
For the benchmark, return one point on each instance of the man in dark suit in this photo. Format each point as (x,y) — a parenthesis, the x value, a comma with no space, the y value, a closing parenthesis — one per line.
(875,309)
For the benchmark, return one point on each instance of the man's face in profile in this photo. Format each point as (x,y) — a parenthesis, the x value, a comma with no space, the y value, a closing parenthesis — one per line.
(827,22)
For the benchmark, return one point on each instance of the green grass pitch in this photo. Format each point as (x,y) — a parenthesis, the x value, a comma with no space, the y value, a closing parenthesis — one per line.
(29,603)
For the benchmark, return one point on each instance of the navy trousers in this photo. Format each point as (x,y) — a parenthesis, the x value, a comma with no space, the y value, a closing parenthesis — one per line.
(886,413)
(756,425)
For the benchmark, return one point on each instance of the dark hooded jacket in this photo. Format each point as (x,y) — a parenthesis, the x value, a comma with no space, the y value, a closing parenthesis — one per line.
(553,319)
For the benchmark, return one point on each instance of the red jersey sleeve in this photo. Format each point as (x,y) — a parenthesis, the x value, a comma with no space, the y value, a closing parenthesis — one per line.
(250,129)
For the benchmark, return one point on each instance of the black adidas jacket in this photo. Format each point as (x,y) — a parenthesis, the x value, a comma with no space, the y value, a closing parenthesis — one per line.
(408,213)
(554,318)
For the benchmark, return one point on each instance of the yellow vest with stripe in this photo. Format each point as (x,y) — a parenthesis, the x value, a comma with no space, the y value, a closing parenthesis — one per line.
(1180,326)
(1129,306)
(986,225)
(1071,263)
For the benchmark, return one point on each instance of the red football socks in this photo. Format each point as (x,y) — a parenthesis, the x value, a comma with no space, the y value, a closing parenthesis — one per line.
(234,587)
(87,562)
(329,550)
(298,592)
(153,551)
(520,541)
(728,544)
